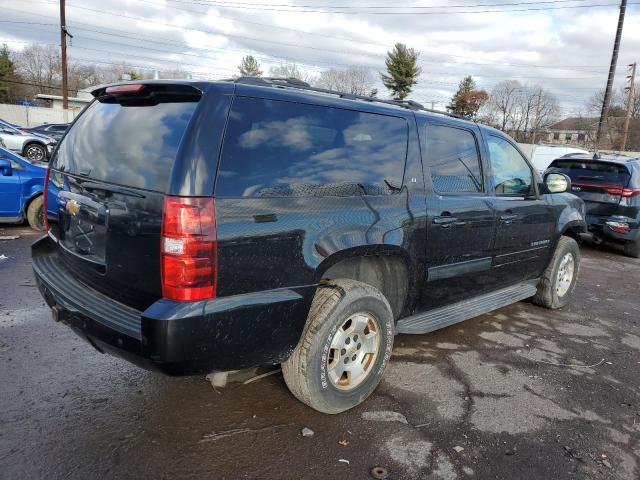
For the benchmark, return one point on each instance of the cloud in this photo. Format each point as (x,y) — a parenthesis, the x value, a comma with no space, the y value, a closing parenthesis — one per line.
(565,50)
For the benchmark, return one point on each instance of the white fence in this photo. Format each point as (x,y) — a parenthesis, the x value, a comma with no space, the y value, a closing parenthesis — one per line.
(31,116)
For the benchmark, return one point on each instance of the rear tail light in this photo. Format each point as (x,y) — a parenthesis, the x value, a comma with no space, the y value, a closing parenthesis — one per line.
(611,189)
(44,199)
(614,190)
(189,248)
(630,192)
(619,227)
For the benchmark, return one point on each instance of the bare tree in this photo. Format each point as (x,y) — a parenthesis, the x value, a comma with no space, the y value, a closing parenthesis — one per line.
(616,107)
(635,102)
(289,70)
(81,76)
(522,110)
(40,66)
(356,80)
(502,103)
(539,110)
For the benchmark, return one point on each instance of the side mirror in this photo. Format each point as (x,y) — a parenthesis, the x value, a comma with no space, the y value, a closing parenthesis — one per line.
(557,182)
(5,167)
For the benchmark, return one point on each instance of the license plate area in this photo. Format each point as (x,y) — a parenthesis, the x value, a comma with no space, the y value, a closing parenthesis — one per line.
(83,229)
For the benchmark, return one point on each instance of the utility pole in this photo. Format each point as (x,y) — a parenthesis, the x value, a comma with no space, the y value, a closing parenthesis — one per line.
(612,72)
(631,88)
(63,47)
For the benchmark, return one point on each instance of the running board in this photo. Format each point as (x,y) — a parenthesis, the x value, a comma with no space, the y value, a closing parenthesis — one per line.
(458,312)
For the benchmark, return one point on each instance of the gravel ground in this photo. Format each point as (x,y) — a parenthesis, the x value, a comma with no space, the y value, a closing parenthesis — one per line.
(520,393)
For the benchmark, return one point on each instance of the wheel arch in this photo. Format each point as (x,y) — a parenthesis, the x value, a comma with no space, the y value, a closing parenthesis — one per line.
(387,268)
(573,229)
(32,196)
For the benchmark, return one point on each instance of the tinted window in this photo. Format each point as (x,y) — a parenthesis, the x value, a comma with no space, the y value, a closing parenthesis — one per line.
(128,145)
(452,155)
(511,174)
(275,148)
(592,172)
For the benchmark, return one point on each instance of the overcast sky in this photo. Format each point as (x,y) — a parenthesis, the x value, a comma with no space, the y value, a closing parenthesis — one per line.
(563,45)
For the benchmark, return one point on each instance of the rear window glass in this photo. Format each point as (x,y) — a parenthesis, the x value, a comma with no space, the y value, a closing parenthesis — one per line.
(452,155)
(593,172)
(127,145)
(276,148)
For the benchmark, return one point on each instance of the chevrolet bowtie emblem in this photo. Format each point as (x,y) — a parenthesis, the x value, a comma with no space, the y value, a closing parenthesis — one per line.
(73,207)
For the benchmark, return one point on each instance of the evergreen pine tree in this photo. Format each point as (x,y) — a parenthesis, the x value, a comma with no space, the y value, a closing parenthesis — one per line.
(402,70)
(7,75)
(468,99)
(249,67)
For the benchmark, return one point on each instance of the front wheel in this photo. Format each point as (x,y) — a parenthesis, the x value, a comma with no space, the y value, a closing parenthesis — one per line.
(344,349)
(559,279)
(35,152)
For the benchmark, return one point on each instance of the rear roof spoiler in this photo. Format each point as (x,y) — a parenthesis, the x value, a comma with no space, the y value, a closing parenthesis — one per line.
(148,89)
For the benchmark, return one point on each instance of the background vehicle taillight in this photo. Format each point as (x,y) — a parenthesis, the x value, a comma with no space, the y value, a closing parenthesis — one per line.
(630,192)
(189,248)
(44,199)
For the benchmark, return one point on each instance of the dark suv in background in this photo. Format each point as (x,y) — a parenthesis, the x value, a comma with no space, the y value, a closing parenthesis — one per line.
(610,188)
(206,226)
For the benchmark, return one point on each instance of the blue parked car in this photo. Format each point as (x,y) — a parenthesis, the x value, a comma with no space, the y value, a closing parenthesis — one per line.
(21,186)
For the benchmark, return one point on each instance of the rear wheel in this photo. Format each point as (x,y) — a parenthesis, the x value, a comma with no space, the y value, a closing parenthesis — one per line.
(35,152)
(632,249)
(344,349)
(35,214)
(559,278)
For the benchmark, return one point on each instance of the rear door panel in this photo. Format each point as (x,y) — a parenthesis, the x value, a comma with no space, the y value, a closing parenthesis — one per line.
(460,226)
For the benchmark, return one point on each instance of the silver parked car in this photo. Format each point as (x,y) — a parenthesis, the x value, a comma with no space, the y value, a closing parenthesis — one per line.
(32,146)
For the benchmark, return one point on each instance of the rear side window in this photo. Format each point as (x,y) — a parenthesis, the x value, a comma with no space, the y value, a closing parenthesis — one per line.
(128,145)
(593,172)
(276,148)
(452,156)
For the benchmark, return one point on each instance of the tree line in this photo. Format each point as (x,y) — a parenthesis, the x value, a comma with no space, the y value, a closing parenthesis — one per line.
(524,111)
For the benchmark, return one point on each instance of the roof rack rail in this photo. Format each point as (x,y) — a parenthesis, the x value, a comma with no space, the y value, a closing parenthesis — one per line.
(282,82)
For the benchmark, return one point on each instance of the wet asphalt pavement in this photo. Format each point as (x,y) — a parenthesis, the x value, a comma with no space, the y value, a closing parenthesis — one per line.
(498,396)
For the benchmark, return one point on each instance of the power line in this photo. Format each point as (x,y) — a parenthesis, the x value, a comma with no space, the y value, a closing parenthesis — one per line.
(296,9)
(363,54)
(387,7)
(577,68)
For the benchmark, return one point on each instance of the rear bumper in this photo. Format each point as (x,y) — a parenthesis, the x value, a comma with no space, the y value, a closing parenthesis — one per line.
(602,226)
(177,338)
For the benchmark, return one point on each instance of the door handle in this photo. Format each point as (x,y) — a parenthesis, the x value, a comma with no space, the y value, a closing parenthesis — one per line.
(447,221)
(508,218)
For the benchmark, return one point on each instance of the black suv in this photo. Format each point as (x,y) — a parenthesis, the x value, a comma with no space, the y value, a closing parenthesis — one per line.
(610,188)
(213,226)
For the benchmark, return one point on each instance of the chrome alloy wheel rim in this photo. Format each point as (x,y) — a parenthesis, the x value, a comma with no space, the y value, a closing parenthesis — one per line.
(34,153)
(565,274)
(353,351)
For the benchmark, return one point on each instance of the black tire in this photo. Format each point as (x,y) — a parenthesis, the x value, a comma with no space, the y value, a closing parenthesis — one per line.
(35,151)
(306,371)
(632,249)
(35,214)
(548,295)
